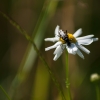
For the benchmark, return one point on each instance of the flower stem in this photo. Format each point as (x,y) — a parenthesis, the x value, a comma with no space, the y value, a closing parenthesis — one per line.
(5,93)
(67,78)
(97,92)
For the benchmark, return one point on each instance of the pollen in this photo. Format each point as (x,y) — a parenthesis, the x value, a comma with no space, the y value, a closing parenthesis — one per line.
(71,38)
(63,41)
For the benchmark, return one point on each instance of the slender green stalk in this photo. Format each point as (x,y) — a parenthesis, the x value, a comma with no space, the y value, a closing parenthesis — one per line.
(97,92)
(5,92)
(22,31)
(67,78)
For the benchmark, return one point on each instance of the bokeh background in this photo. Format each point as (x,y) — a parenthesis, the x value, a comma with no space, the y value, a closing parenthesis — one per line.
(22,73)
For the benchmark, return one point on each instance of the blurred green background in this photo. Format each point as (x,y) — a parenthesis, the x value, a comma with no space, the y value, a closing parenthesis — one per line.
(22,73)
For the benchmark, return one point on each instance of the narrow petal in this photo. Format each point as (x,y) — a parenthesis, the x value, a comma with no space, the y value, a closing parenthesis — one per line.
(72,49)
(57,31)
(85,37)
(95,39)
(54,46)
(52,39)
(80,54)
(59,49)
(75,48)
(56,56)
(61,33)
(83,49)
(78,33)
(85,41)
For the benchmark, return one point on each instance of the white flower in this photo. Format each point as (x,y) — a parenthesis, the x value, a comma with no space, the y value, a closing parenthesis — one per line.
(71,42)
(94,77)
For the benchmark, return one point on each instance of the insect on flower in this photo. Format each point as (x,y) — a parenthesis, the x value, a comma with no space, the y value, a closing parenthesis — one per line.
(69,41)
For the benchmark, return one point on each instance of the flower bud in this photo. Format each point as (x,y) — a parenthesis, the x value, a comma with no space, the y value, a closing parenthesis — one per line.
(94,77)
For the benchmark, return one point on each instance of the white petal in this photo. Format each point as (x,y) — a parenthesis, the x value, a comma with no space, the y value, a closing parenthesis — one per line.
(59,49)
(83,49)
(85,37)
(75,48)
(57,31)
(95,39)
(85,41)
(52,39)
(72,49)
(54,46)
(61,33)
(80,54)
(56,56)
(78,32)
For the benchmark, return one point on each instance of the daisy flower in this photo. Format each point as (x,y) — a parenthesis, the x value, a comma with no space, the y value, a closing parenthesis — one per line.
(69,41)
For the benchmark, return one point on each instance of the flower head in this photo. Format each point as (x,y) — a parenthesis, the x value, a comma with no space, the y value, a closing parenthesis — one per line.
(69,41)
(94,77)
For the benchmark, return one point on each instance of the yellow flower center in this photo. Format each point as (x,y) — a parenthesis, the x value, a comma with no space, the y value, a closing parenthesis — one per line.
(68,38)
(71,38)
(63,41)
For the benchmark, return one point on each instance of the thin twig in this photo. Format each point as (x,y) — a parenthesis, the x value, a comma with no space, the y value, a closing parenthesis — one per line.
(5,93)
(22,31)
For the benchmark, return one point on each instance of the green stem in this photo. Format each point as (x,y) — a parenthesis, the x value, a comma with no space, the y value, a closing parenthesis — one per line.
(22,31)
(97,92)
(67,78)
(5,93)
